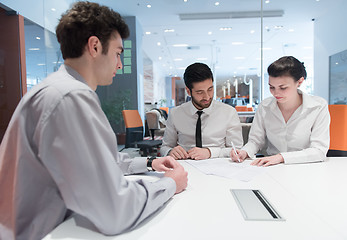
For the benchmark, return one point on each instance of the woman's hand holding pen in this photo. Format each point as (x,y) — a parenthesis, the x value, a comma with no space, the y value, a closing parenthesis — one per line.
(241,154)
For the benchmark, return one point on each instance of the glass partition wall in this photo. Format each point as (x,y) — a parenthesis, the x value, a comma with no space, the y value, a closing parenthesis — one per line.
(264,31)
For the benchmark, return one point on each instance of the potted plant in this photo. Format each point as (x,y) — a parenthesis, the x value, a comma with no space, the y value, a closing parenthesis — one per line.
(113,108)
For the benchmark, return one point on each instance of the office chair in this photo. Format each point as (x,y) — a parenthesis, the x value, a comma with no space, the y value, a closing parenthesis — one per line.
(156,123)
(134,134)
(338,130)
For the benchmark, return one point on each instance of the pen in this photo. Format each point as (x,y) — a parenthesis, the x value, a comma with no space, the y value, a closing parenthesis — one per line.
(233,146)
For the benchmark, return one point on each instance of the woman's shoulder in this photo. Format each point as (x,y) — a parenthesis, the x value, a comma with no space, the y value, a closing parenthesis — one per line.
(313,101)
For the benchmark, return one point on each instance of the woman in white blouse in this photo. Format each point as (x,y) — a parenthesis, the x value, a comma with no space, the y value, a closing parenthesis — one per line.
(294,125)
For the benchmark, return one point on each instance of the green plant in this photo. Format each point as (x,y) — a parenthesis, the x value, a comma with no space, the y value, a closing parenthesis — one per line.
(162,102)
(113,108)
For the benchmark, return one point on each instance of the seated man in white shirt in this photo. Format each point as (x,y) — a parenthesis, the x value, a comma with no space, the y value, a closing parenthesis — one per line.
(187,137)
(59,153)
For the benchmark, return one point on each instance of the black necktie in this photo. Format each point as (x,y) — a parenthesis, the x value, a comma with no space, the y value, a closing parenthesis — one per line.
(198,130)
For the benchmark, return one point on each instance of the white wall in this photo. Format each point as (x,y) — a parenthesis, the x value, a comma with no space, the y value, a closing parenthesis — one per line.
(159,83)
(330,37)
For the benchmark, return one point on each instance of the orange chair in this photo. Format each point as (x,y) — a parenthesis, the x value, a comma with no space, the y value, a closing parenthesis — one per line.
(134,133)
(338,130)
(241,108)
(166,109)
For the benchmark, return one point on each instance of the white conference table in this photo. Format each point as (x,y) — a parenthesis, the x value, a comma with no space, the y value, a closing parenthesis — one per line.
(311,197)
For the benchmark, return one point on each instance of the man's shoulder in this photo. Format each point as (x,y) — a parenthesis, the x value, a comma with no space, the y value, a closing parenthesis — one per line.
(55,89)
(65,83)
(180,108)
(58,85)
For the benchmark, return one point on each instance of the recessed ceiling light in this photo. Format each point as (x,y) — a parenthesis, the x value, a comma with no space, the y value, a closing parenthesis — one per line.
(148,33)
(216,3)
(291,30)
(278,27)
(237,43)
(169,30)
(53,9)
(38,38)
(267,1)
(185,0)
(160,58)
(158,43)
(149,5)
(225,28)
(180,45)
(178,59)
(34,49)
(337,63)
(41,64)
(209,33)
(252,31)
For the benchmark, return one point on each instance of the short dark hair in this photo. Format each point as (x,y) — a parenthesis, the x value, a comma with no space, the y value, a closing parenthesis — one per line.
(196,72)
(287,66)
(86,19)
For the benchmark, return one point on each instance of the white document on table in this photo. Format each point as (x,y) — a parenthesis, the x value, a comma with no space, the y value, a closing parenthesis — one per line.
(224,167)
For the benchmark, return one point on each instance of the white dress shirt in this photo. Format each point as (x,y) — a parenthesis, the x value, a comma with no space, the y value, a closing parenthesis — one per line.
(304,138)
(59,153)
(220,125)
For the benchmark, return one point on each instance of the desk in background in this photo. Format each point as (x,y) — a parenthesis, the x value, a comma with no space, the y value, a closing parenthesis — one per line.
(311,197)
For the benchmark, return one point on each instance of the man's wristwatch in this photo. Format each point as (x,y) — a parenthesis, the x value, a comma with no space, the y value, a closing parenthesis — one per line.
(149,163)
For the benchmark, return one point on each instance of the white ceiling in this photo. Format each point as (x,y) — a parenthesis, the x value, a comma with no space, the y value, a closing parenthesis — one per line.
(219,50)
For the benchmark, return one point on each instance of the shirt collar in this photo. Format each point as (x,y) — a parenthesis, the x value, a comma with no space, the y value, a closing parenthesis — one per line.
(307,102)
(193,109)
(72,72)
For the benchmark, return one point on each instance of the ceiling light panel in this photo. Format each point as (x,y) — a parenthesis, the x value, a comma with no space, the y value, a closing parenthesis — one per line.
(230,15)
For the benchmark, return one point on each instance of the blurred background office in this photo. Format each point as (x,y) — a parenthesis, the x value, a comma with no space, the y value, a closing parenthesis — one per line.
(238,39)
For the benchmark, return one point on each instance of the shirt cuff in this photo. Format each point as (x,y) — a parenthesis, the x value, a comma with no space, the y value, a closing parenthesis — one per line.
(169,184)
(165,151)
(214,151)
(138,165)
(249,151)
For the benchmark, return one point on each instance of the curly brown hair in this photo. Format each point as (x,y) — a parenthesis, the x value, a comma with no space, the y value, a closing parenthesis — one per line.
(86,19)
